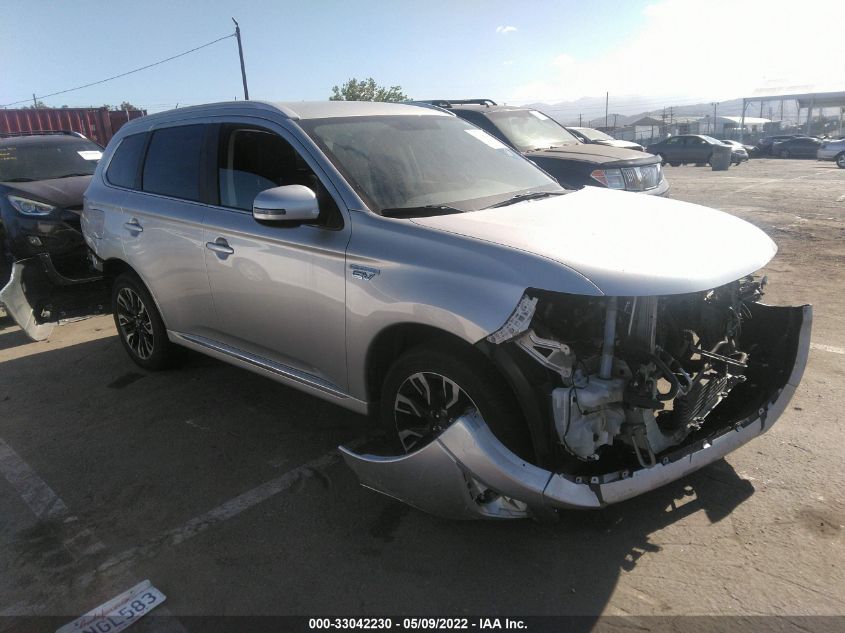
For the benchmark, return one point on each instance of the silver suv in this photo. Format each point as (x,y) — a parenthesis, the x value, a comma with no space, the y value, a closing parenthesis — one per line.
(528,347)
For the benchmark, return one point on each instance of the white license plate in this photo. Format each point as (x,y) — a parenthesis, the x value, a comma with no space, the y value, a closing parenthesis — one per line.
(119,612)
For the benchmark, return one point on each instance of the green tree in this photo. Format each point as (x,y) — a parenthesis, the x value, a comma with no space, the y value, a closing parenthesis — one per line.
(125,105)
(38,105)
(367,90)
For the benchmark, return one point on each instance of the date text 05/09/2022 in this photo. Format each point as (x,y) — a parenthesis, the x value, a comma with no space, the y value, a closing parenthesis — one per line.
(430,624)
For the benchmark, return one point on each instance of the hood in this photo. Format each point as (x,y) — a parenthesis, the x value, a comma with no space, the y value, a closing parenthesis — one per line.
(60,192)
(592,153)
(626,244)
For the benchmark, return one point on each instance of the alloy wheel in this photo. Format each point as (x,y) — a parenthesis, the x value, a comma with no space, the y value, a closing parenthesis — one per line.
(426,404)
(134,323)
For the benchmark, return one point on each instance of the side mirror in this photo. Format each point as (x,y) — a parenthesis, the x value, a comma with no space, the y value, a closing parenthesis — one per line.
(291,203)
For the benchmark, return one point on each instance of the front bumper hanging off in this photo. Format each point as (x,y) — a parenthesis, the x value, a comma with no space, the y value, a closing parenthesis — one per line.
(467,473)
(37,295)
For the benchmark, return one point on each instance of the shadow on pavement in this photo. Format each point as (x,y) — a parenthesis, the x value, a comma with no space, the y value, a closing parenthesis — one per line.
(135,454)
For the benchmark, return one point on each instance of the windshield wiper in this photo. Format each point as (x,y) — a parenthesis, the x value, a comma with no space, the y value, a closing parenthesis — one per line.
(72,175)
(420,212)
(531,195)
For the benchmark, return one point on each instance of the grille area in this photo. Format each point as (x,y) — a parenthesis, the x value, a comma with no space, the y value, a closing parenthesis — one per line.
(641,178)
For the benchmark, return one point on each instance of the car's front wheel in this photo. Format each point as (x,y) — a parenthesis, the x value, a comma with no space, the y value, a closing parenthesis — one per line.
(428,388)
(139,325)
(840,161)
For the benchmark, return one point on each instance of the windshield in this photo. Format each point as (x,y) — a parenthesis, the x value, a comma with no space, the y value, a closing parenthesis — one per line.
(594,135)
(25,160)
(531,130)
(711,140)
(402,162)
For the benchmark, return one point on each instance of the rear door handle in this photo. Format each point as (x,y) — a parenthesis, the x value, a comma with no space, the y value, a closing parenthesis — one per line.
(221,247)
(133,226)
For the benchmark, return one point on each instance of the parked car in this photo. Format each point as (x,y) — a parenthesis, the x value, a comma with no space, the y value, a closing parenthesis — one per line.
(527,347)
(590,135)
(833,149)
(739,152)
(764,145)
(548,144)
(685,148)
(797,147)
(42,179)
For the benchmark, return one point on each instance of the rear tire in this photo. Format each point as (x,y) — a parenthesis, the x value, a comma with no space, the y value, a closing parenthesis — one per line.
(429,387)
(840,160)
(139,324)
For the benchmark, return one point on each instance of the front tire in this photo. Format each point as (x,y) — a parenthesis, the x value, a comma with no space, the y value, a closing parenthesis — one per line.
(428,388)
(139,325)
(840,160)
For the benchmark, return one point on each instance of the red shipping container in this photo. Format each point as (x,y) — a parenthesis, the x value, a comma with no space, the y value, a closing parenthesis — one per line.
(98,124)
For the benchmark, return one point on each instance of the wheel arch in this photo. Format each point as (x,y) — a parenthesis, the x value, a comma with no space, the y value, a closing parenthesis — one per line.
(114,267)
(395,340)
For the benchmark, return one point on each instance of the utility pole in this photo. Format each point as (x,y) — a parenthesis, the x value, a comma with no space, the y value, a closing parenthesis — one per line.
(241,53)
(715,105)
(614,121)
(34,102)
(579,120)
(606,101)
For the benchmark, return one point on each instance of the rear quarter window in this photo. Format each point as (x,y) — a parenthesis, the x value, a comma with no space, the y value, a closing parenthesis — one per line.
(124,166)
(172,165)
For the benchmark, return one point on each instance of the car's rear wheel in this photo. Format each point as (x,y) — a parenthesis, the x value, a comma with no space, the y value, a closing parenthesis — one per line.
(428,388)
(139,325)
(840,160)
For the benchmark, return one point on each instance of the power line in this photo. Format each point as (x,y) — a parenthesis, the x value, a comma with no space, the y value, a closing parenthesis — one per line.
(102,81)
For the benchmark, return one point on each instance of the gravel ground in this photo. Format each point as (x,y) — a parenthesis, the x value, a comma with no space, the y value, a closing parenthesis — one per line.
(222,488)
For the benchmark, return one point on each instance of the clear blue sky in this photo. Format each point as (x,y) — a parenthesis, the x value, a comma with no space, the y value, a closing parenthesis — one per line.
(511,51)
(293,50)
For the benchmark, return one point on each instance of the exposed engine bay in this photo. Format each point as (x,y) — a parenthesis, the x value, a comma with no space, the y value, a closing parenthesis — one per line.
(631,377)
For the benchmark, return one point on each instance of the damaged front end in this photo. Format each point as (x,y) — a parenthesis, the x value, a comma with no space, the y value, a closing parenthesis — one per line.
(38,295)
(621,396)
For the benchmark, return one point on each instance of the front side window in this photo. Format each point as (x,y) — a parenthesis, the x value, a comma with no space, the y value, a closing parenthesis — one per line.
(530,130)
(123,167)
(172,166)
(401,162)
(251,160)
(44,158)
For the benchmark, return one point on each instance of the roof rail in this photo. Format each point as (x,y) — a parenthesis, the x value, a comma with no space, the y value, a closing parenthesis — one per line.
(43,133)
(448,103)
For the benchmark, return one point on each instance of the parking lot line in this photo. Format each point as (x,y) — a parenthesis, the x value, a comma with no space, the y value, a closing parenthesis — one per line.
(828,348)
(224,511)
(40,498)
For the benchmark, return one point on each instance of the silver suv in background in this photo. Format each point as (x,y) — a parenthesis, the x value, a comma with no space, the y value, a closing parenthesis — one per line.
(527,347)
(832,150)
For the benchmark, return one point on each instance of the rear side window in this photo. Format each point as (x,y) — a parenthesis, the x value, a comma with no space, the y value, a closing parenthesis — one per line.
(123,168)
(172,166)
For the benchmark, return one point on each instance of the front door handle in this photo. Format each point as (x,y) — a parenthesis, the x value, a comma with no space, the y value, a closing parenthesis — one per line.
(134,226)
(221,247)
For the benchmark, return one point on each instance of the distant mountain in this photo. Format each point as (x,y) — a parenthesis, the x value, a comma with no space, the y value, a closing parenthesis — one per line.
(629,109)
